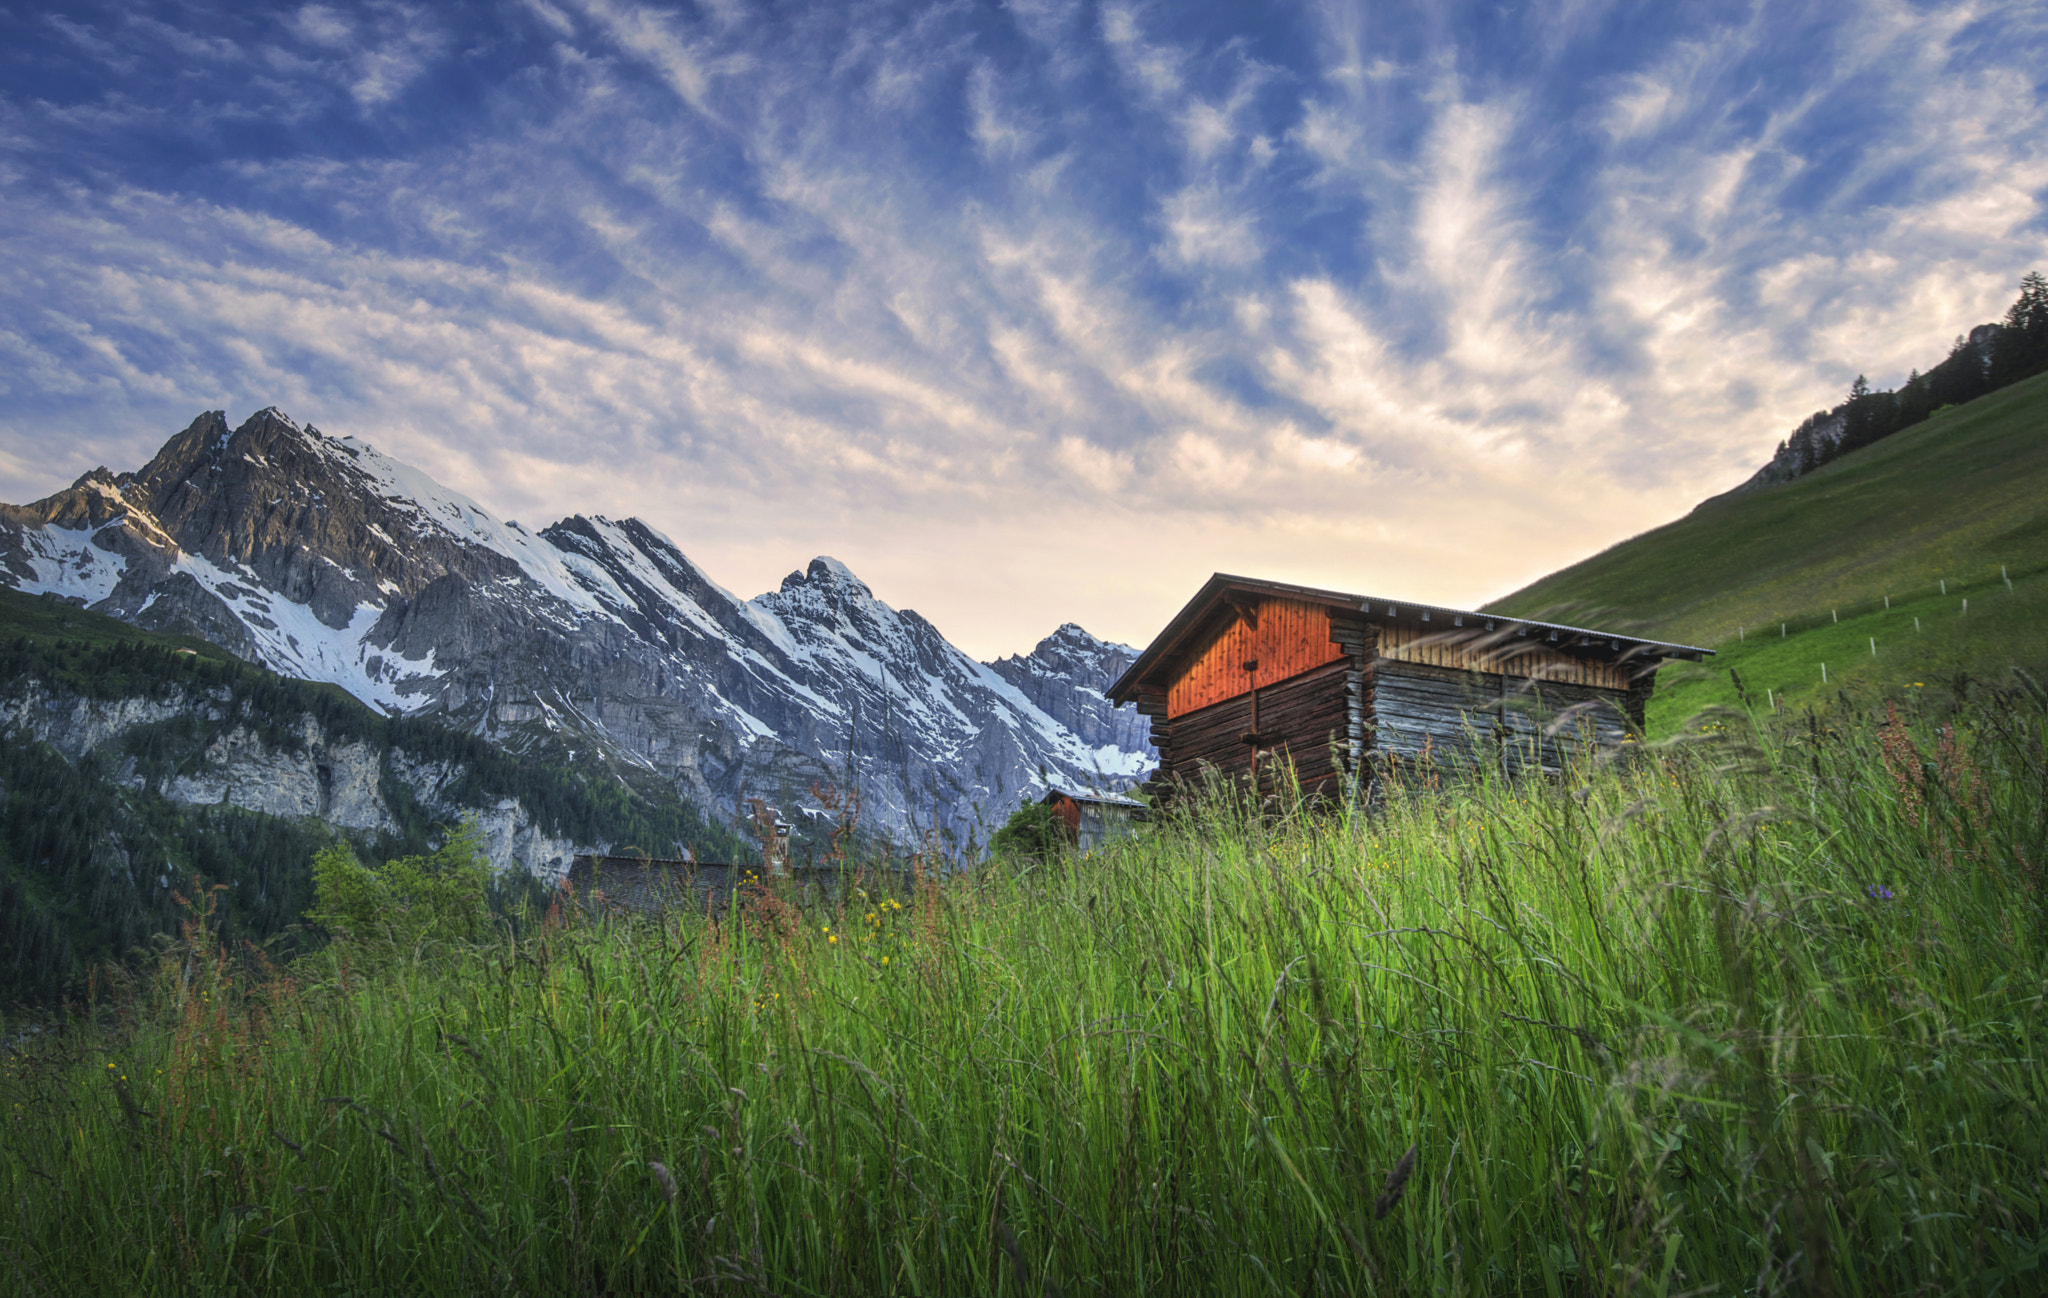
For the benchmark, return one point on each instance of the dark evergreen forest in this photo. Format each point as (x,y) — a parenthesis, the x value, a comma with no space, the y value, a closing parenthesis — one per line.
(93,856)
(1989,357)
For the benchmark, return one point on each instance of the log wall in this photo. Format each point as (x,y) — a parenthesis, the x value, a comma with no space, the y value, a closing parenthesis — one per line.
(1462,717)
(1358,641)
(1299,718)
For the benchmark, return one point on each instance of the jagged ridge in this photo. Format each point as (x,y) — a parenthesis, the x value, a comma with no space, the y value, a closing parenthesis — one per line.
(322,558)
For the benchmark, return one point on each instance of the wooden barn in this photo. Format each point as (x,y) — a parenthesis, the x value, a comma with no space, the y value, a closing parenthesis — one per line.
(1092,819)
(1342,684)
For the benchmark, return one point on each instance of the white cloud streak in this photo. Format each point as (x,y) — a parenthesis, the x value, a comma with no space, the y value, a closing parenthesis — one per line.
(1038,385)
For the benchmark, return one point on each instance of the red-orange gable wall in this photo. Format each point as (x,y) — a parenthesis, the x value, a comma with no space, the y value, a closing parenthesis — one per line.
(1292,637)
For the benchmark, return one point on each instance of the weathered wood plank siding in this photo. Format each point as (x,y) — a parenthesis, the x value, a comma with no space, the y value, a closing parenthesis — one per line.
(1301,717)
(1290,637)
(1580,717)
(1420,709)
(1511,655)
(1465,716)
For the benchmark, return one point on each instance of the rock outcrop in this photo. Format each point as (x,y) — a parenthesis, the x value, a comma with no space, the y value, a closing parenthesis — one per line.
(1067,677)
(337,779)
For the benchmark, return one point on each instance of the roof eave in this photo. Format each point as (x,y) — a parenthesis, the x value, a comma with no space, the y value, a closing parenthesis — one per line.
(1197,608)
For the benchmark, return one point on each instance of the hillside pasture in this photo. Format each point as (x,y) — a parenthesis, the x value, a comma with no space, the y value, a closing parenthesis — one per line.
(1951,509)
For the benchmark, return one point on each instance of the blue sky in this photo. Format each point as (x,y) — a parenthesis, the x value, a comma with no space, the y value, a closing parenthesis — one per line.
(1029,312)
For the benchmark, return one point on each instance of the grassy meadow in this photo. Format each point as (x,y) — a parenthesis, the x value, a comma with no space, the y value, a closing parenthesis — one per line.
(1952,509)
(1754,1013)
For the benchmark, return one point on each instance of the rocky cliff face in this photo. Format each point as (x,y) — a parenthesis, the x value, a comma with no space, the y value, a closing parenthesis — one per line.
(322,559)
(1813,442)
(338,780)
(1067,676)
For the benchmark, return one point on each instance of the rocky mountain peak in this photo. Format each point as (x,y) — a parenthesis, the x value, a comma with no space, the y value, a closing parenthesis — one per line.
(827,578)
(1067,675)
(325,559)
(91,502)
(827,600)
(1072,645)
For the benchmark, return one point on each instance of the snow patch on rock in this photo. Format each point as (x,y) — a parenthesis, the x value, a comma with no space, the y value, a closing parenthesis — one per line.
(295,642)
(66,563)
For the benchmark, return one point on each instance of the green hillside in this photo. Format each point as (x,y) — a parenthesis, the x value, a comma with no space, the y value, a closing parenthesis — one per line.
(1785,580)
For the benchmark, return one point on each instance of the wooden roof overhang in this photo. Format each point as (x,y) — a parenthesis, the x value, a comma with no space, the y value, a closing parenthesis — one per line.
(1223,594)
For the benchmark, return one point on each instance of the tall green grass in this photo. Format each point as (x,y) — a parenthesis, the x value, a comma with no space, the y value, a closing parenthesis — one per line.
(1756,1014)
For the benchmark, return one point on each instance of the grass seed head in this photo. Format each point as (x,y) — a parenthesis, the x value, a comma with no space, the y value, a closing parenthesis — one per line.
(1397,1185)
(663,1179)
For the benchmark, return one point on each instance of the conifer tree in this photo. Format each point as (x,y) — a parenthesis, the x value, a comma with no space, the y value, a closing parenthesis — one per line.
(2021,348)
(1859,416)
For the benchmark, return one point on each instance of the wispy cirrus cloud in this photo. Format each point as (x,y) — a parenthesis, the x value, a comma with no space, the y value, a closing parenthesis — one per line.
(1030,313)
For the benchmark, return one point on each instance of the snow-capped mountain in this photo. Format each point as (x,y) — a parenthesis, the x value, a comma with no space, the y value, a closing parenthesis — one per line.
(321,558)
(1068,677)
